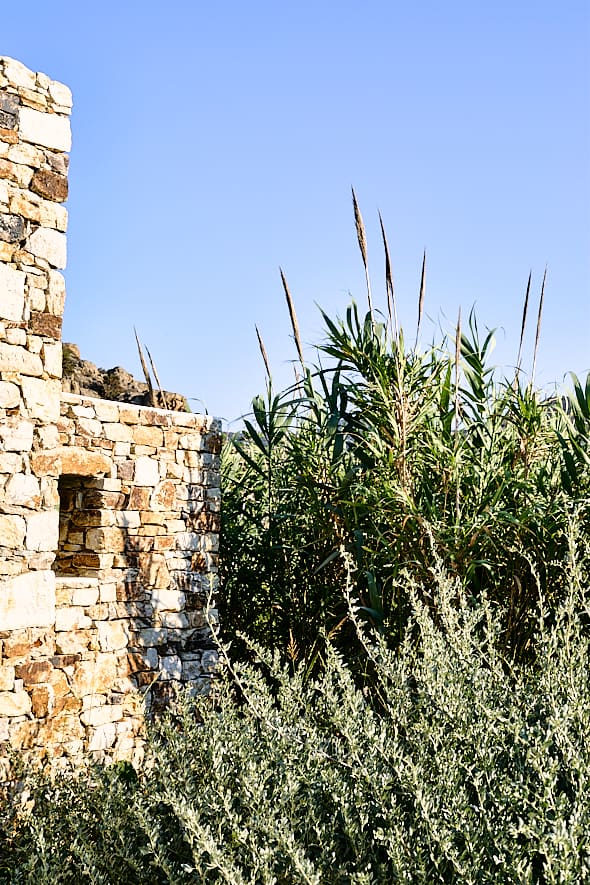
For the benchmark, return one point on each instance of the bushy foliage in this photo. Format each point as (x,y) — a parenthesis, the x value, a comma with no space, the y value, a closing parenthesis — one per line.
(456,766)
(394,456)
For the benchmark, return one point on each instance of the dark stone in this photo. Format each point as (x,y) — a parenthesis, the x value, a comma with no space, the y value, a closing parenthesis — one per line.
(50,185)
(9,103)
(45,324)
(12,228)
(7,121)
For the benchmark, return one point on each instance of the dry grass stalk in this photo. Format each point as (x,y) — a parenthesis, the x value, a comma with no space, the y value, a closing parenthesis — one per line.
(156,376)
(293,315)
(538,332)
(362,239)
(523,324)
(457,409)
(262,350)
(421,297)
(145,370)
(391,306)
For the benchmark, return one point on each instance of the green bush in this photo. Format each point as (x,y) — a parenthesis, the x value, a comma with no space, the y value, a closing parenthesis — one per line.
(456,766)
(394,456)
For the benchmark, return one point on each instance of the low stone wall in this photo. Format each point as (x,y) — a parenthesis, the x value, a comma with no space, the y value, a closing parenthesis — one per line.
(135,566)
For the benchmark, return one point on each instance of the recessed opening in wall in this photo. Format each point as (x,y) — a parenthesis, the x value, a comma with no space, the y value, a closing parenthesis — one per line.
(77,552)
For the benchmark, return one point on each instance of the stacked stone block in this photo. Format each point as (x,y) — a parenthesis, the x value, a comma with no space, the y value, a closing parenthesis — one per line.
(109,513)
(34,140)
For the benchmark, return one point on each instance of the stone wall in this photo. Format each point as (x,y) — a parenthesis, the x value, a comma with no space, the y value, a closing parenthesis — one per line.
(108,511)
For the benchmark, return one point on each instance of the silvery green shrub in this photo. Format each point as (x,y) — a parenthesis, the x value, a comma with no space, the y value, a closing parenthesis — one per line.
(454,766)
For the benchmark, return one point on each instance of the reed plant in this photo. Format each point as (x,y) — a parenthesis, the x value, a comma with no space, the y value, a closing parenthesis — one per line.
(396,455)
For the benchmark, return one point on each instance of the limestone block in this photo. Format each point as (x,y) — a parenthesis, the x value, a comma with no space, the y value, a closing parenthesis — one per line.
(61,94)
(103,737)
(89,427)
(17,359)
(148,436)
(85,596)
(174,620)
(168,600)
(50,245)
(101,715)
(50,130)
(17,436)
(17,74)
(9,395)
(71,618)
(45,463)
(164,496)
(170,667)
(43,531)
(52,359)
(3,192)
(81,462)
(146,472)
(42,701)
(94,677)
(152,636)
(117,433)
(12,531)
(107,411)
(56,293)
(112,635)
(16,703)
(26,155)
(12,293)
(105,539)
(28,601)
(7,674)
(42,398)
(16,336)
(23,489)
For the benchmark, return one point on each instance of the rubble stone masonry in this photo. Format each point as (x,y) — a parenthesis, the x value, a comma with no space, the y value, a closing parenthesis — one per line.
(109,512)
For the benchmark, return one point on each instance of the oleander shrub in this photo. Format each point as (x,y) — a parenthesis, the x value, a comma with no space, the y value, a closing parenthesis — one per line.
(456,764)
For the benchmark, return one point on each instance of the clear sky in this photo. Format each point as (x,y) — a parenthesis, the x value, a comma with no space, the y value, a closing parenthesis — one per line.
(215,141)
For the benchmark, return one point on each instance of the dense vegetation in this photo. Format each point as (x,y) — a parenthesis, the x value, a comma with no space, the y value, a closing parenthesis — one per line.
(405,694)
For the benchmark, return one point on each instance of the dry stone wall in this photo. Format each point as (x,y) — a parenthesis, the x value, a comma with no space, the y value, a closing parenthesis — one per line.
(108,511)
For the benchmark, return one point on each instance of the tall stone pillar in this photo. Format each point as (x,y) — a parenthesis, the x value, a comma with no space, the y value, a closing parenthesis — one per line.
(34,141)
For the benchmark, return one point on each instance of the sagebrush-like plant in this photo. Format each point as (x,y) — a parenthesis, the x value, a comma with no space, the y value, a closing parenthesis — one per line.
(456,766)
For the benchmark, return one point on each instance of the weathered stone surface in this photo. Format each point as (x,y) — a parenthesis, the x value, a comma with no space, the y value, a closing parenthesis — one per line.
(50,185)
(113,635)
(41,399)
(147,472)
(12,531)
(9,395)
(34,672)
(16,703)
(81,462)
(18,359)
(12,228)
(43,531)
(27,601)
(23,489)
(9,103)
(12,291)
(50,130)
(94,677)
(46,324)
(50,245)
(8,121)
(17,435)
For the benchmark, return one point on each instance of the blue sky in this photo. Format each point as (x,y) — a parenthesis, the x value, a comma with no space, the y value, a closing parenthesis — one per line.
(214,142)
